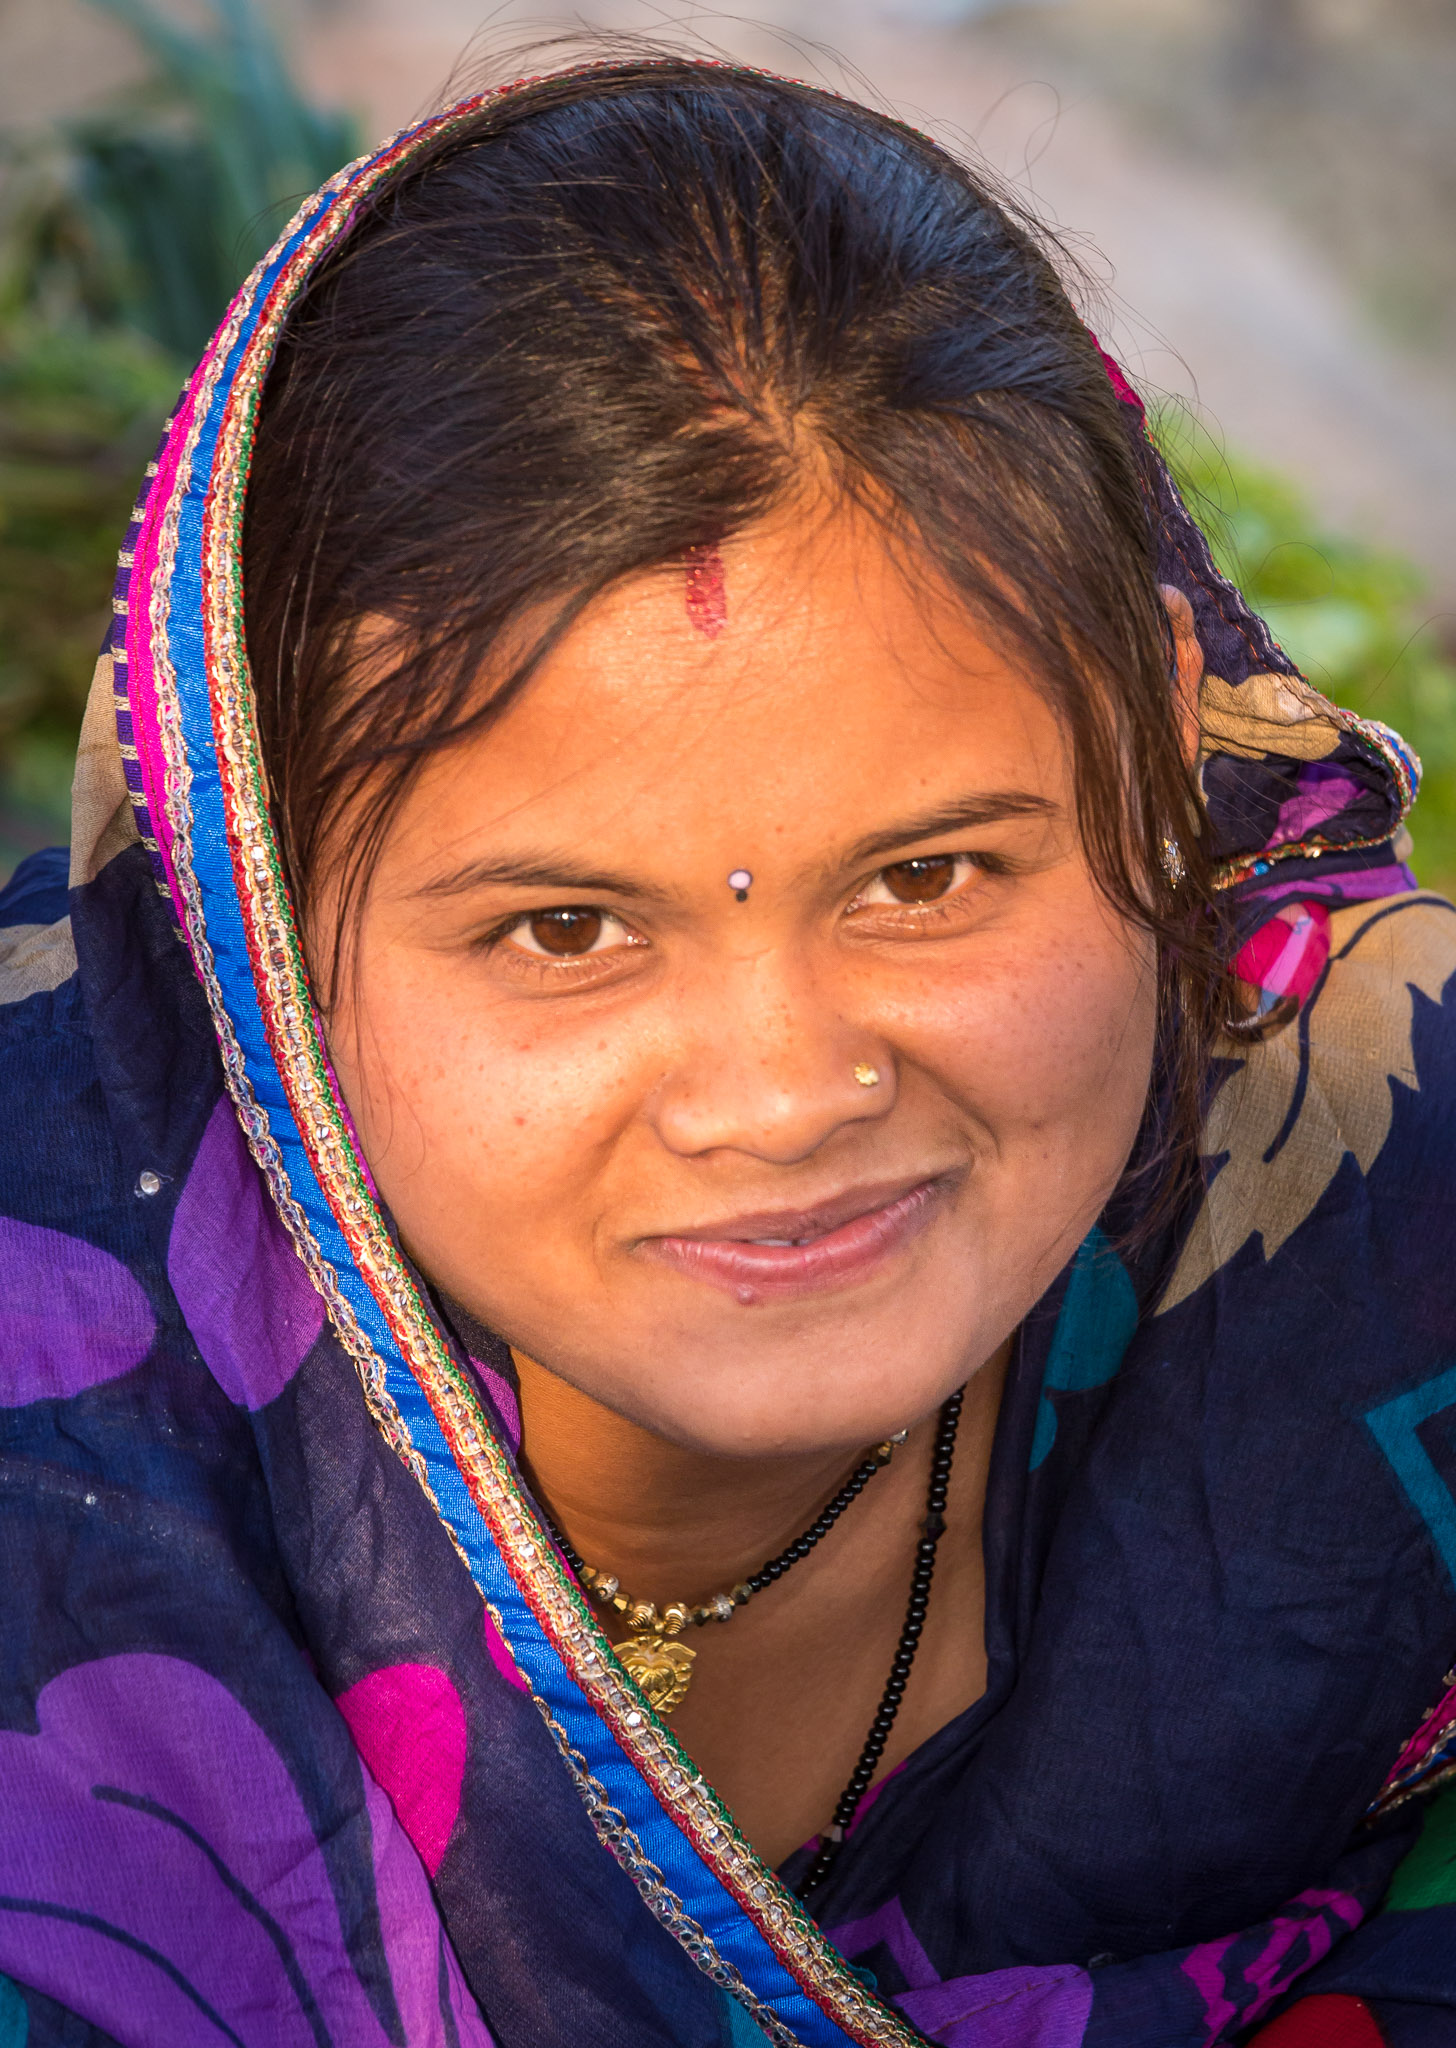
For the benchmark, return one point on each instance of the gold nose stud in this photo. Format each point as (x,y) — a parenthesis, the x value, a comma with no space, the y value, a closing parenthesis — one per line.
(866,1075)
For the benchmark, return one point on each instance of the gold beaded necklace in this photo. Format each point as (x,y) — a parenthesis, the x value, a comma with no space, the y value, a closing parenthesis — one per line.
(662,1666)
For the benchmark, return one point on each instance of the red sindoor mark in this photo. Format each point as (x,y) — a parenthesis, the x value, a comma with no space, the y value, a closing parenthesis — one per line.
(707,590)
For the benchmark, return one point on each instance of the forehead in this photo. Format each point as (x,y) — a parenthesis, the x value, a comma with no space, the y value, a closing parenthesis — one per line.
(812,677)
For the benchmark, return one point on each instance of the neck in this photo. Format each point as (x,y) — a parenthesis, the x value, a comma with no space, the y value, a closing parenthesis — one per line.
(673,1523)
(778,1707)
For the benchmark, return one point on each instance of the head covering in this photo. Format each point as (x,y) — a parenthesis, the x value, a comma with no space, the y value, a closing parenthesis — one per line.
(309,1733)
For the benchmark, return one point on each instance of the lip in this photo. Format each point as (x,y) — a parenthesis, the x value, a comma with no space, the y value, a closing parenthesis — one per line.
(840,1242)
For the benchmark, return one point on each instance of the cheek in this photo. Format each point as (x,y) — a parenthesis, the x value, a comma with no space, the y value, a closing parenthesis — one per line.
(1047,1039)
(453,1101)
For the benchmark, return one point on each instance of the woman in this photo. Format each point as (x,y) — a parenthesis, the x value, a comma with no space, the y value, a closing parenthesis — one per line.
(629,1416)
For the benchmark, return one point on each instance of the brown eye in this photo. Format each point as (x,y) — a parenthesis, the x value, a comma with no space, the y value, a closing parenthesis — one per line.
(920,881)
(564,932)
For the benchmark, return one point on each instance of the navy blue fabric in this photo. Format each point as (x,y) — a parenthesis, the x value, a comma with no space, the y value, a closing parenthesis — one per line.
(37,892)
(1404,1956)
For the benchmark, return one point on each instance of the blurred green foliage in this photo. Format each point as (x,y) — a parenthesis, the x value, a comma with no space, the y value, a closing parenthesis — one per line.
(122,237)
(1348,614)
(147,213)
(79,417)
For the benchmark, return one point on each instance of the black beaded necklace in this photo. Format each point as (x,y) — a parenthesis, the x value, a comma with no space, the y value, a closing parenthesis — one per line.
(931,1531)
(648,1658)
(664,1668)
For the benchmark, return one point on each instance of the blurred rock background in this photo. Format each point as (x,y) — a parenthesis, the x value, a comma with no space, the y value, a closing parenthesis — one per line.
(1257,199)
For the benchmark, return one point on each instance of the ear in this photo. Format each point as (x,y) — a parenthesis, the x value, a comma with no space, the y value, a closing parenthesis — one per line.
(1189,673)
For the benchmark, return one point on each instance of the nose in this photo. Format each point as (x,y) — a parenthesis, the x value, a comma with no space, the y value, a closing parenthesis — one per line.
(767,1066)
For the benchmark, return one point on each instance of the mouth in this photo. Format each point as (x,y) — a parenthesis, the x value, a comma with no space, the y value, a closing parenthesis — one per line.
(784,1253)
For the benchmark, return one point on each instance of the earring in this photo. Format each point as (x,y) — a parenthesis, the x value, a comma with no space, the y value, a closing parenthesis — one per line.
(1172,862)
(866,1075)
(740,882)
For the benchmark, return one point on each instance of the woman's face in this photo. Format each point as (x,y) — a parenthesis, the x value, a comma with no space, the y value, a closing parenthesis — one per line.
(772,1169)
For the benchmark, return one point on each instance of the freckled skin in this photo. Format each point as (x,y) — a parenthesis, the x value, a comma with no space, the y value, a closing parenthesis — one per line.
(535,1123)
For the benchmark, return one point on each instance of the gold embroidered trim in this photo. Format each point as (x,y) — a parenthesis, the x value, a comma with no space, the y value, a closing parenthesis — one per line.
(1443,1776)
(1380,739)
(1406,1784)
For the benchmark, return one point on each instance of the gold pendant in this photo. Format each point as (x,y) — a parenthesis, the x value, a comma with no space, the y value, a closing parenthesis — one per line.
(663,1670)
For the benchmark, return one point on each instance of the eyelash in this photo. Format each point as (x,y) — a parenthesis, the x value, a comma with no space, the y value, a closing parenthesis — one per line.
(522,922)
(973,863)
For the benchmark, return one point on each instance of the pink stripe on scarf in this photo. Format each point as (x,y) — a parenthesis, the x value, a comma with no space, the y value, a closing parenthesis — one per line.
(140,679)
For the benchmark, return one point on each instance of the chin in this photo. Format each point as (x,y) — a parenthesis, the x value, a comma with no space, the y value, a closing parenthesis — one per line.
(759,1391)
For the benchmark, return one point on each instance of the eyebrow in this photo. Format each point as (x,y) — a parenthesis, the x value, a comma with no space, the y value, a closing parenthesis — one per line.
(559,871)
(989,808)
(541,871)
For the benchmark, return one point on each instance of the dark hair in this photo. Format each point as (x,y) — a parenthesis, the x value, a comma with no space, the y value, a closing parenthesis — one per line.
(603,324)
